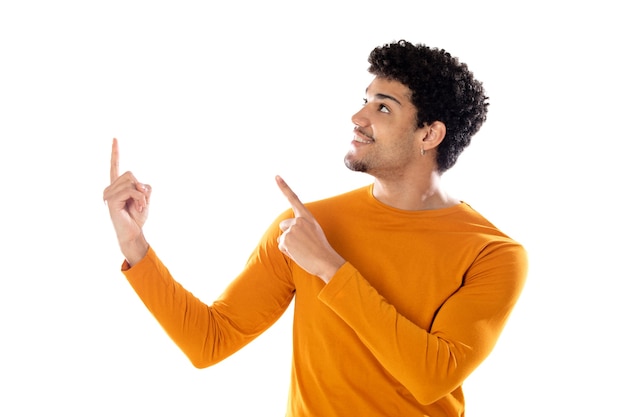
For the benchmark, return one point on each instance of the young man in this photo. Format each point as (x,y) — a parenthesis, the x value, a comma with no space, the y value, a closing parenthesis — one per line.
(400,289)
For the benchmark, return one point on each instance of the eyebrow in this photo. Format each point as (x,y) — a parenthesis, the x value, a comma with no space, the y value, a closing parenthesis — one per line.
(381,96)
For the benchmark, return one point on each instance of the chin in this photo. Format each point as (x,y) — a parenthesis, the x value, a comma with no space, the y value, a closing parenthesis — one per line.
(357,166)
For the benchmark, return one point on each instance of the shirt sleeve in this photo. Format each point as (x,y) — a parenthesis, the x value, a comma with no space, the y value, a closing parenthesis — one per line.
(209,333)
(431,363)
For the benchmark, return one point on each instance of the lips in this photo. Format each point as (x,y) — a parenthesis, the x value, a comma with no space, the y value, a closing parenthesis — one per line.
(361,137)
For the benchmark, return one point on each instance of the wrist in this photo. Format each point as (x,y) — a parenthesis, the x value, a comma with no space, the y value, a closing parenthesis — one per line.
(135,250)
(331,270)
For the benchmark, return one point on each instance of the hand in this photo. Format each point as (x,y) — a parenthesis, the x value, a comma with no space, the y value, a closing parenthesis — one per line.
(128,201)
(303,239)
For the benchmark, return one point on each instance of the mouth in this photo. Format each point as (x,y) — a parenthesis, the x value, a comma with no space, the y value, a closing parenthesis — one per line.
(361,137)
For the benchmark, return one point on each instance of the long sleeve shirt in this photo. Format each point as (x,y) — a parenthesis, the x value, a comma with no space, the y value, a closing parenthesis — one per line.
(418,305)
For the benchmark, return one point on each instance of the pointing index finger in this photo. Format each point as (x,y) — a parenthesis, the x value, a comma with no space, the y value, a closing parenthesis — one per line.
(115,160)
(299,210)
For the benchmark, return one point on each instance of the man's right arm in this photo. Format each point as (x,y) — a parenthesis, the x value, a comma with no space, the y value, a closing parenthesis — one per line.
(209,333)
(205,333)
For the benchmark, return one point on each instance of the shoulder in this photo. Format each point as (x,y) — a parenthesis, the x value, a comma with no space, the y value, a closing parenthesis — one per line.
(495,243)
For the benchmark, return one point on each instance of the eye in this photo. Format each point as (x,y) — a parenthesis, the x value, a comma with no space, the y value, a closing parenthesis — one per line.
(381,107)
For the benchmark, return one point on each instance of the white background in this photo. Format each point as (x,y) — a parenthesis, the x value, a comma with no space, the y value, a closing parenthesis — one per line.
(209,102)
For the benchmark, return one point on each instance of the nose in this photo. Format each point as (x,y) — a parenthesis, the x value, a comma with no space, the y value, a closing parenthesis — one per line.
(360,118)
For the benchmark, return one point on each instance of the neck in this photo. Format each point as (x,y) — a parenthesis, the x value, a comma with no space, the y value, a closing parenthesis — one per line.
(417,193)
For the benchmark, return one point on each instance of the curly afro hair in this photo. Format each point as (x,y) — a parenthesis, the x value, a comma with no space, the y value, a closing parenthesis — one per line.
(444,90)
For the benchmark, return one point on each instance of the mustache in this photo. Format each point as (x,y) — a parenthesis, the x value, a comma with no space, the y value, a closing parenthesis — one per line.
(360,131)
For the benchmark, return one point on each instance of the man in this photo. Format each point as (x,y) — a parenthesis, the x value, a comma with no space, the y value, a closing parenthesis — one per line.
(401,290)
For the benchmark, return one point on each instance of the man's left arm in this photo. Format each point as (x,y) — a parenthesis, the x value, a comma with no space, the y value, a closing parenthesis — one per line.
(433,362)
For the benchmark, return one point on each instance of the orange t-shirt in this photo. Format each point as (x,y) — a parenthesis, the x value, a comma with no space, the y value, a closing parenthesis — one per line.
(417,307)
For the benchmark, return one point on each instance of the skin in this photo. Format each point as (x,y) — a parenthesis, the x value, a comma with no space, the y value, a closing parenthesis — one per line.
(401,157)
(128,201)
(386,145)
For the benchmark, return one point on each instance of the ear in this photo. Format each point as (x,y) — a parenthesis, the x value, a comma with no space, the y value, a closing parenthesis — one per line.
(435,133)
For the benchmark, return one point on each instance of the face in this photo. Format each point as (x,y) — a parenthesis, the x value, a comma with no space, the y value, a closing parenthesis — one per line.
(385,139)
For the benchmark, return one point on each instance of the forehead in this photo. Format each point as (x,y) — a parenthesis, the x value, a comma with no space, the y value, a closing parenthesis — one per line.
(391,89)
